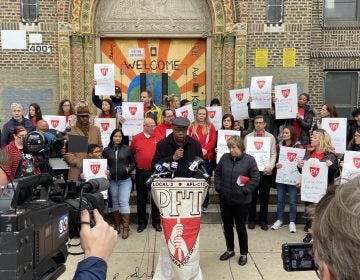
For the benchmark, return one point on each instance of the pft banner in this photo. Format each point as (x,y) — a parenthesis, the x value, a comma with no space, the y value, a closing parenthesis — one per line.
(179,201)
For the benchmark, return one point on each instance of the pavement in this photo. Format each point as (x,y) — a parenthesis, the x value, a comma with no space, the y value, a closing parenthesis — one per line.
(136,257)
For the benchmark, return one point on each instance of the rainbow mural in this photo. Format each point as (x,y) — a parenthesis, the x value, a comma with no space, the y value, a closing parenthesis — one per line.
(181,61)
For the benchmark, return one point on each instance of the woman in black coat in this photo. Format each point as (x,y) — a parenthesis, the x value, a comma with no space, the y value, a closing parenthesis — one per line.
(236,177)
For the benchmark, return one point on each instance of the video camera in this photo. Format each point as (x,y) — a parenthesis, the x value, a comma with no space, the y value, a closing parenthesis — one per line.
(298,257)
(37,216)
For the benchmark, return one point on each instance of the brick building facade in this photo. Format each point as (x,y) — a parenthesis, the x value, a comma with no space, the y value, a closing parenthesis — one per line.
(326,56)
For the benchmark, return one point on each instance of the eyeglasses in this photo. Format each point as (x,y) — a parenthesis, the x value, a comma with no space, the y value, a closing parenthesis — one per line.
(66,105)
(259,122)
(21,136)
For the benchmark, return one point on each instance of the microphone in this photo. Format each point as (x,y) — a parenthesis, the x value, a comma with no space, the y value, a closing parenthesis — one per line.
(96,185)
(194,166)
(174,166)
(159,168)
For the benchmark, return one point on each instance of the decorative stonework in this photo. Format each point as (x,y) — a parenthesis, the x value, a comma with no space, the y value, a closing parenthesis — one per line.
(216,87)
(152,17)
(75,14)
(89,60)
(228,69)
(64,60)
(77,67)
(229,11)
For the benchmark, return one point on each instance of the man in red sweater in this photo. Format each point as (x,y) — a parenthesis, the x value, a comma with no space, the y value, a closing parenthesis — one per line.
(143,147)
(165,128)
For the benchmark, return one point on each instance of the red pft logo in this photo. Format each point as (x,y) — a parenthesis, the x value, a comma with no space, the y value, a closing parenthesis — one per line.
(356,162)
(133,110)
(258,144)
(54,123)
(104,71)
(239,96)
(212,114)
(227,136)
(261,83)
(105,126)
(185,113)
(285,92)
(314,171)
(180,235)
(291,156)
(95,168)
(334,126)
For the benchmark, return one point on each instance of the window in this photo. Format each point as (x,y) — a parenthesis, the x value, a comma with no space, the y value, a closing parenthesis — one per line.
(341,89)
(29,11)
(341,13)
(274,11)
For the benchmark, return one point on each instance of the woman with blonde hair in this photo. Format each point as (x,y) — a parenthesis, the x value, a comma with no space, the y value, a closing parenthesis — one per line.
(171,102)
(202,130)
(321,149)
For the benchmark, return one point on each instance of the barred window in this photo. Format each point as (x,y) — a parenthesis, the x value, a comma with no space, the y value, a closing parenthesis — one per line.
(274,11)
(341,13)
(29,11)
(342,88)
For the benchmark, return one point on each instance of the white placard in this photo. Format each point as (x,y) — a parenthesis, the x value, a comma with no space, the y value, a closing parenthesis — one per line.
(288,173)
(259,148)
(351,167)
(238,102)
(313,181)
(286,105)
(223,136)
(336,127)
(13,40)
(133,113)
(95,168)
(168,131)
(186,112)
(56,122)
(106,125)
(105,79)
(260,91)
(136,53)
(35,38)
(215,115)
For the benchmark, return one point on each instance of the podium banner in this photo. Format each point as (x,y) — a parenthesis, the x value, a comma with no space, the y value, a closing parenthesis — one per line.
(179,201)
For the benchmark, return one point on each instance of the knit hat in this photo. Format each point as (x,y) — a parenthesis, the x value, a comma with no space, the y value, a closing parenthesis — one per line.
(307,96)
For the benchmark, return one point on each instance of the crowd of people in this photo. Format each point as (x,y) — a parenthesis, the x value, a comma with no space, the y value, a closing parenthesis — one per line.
(166,138)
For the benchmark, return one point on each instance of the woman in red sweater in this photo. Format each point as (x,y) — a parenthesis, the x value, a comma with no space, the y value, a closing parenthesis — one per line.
(21,164)
(204,131)
(107,109)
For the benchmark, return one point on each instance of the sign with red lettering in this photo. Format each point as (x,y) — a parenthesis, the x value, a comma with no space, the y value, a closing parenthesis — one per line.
(351,166)
(314,181)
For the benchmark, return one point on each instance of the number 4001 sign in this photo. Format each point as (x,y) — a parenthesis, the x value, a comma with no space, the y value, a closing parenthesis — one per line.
(40,48)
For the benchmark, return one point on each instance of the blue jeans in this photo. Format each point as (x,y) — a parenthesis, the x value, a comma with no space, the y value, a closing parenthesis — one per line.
(292,190)
(120,193)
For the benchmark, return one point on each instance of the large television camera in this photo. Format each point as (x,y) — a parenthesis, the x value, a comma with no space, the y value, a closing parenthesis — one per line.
(37,216)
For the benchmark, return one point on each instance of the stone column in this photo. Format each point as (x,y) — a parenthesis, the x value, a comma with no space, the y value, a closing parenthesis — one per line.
(77,64)
(89,60)
(64,30)
(228,71)
(217,58)
(240,55)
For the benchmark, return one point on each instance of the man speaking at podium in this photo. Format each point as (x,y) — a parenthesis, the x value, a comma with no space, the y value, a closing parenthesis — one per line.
(178,149)
(181,156)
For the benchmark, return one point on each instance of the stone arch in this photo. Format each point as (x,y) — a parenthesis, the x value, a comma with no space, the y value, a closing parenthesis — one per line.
(81,44)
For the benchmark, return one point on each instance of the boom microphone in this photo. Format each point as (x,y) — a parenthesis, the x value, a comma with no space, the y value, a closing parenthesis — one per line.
(96,185)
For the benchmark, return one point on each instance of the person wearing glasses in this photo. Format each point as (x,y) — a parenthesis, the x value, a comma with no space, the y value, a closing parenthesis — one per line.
(66,109)
(21,163)
(336,227)
(17,119)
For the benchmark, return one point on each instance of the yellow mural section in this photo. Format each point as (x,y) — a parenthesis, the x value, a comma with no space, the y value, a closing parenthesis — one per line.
(163,66)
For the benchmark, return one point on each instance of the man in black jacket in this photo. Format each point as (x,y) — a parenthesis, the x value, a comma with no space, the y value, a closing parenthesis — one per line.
(178,147)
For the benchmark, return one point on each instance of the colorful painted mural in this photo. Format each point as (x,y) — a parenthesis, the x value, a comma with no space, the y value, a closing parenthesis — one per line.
(178,64)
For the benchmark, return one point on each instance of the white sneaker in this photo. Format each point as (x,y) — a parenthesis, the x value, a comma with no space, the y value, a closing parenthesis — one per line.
(276,225)
(292,227)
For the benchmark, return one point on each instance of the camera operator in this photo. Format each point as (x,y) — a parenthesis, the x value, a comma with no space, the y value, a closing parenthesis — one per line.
(336,233)
(98,243)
